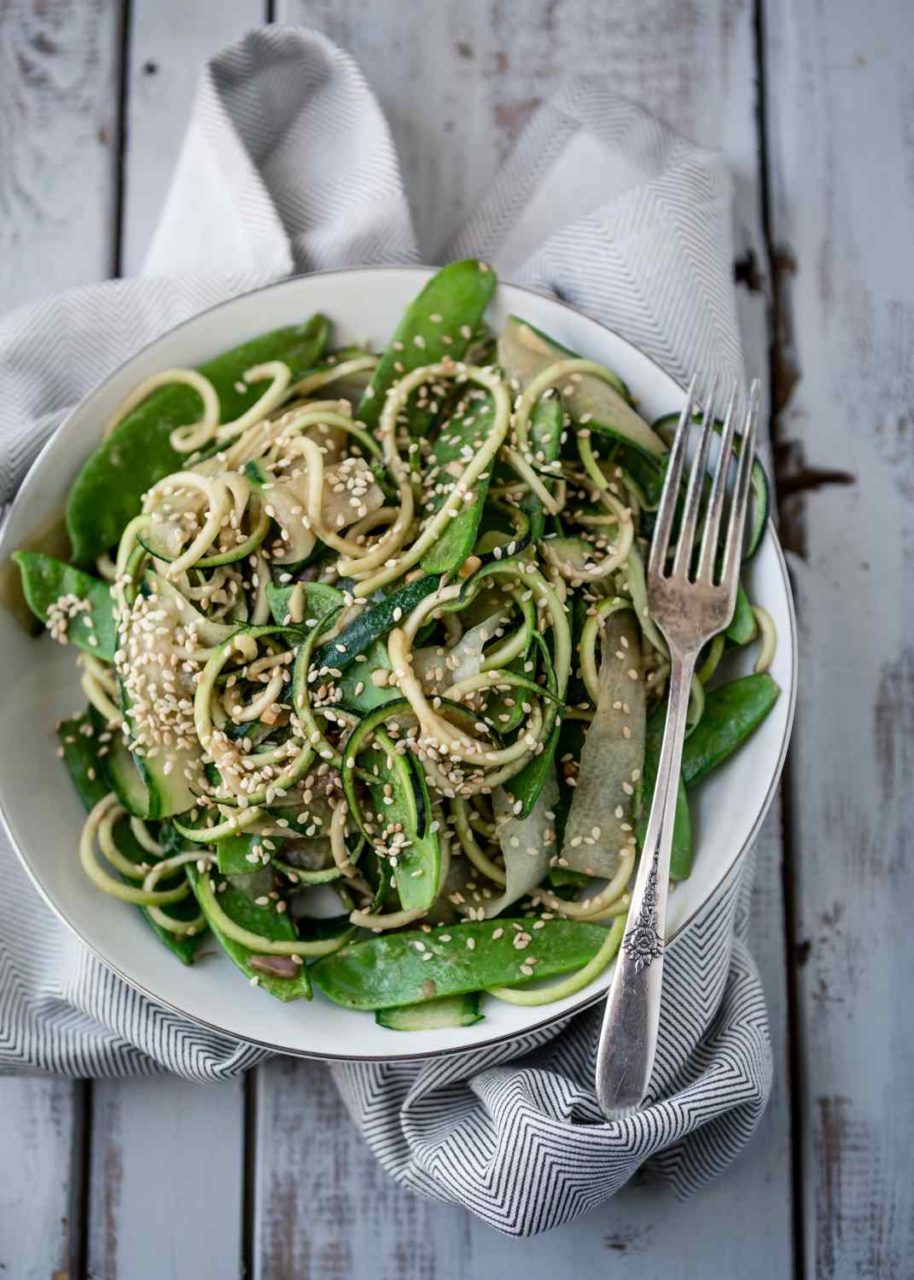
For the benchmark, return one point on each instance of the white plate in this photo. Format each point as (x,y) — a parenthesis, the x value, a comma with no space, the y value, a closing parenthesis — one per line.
(43,815)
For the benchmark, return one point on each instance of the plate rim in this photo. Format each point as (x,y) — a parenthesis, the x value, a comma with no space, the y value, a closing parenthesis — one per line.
(587,1001)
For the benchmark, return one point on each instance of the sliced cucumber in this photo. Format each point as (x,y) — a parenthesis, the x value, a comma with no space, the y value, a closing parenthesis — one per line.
(375,621)
(524,352)
(449,1011)
(169,793)
(287,500)
(231,555)
(575,552)
(125,779)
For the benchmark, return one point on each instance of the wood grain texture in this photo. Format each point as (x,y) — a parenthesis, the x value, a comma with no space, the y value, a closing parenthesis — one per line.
(457,84)
(58,142)
(39,1183)
(165,1198)
(169,42)
(841,145)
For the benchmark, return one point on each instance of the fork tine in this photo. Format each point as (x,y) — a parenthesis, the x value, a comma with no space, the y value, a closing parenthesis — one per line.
(708,558)
(667,508)
(685,545)
(734,544)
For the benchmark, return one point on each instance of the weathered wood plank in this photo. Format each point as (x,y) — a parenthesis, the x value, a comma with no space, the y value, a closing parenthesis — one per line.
(58,139)
(325,1210)
(322,1206)
(841,149)
(169,42)
(58,96)
(165,1193)
(39,1178)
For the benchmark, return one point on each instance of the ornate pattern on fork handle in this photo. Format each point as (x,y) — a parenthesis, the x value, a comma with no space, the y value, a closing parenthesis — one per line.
(643,942)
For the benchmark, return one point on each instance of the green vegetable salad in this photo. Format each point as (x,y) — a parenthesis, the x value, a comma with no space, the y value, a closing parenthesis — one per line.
(374,696)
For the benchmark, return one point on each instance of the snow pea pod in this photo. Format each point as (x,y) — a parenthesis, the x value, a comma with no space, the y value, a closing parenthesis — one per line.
(439,322)
(401,797)
(45,580)
(77,738)
(263,920)
(391,970)
(733,712)
(358,691)
(240,855)
(244,857)
(462,433)
(109,488)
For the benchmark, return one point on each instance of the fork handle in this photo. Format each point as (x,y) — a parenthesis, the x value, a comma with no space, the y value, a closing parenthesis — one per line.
(628,1037)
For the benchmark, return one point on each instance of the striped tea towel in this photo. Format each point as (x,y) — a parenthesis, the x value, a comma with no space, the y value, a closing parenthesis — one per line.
(288,166)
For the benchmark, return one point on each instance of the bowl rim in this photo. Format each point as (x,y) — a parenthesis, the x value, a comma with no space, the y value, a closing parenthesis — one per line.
(586,1001)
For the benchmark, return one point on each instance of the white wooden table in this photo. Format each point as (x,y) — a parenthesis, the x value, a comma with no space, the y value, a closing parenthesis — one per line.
(814,107)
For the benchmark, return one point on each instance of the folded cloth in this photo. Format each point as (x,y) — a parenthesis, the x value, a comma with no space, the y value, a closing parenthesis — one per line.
(288,166)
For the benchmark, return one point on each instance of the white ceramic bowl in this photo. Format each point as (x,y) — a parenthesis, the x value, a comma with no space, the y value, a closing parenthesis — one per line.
(41,811)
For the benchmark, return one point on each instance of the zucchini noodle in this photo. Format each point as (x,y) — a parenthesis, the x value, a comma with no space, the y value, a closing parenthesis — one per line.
(102,816)
(462,490)
(470,847)
(100,687)
(591,907)
(260,944)
(336,373)
(769,639)
(170,377)
(182,928)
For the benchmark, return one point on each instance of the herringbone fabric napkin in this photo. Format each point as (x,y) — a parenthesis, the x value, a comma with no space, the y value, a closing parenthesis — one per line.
(288,166)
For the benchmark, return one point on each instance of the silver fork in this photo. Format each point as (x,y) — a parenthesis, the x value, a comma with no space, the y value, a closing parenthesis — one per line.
(690,603)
